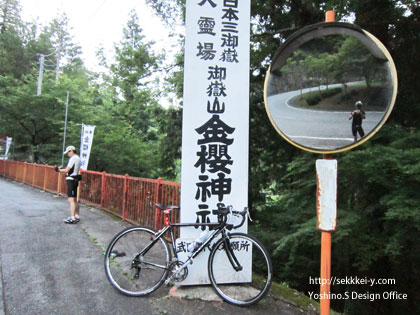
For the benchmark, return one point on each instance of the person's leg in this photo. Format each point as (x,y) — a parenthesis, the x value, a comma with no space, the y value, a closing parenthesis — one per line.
(361,132)
(354,132)
(72,202)
(76,212)
(71,194)
(77,204)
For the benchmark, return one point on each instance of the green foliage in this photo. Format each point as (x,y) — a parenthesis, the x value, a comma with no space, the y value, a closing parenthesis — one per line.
(313,99)
(171,11)
(378,220)
(169,155)
(9,15)
(330,92)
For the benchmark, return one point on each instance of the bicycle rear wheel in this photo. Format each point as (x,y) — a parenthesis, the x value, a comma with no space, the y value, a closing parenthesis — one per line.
(131,272)
(240,269)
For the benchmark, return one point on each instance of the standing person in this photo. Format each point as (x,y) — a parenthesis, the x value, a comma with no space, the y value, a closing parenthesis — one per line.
(73,176)
(357,115)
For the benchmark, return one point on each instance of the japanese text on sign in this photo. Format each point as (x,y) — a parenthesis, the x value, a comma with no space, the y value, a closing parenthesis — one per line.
(215,112)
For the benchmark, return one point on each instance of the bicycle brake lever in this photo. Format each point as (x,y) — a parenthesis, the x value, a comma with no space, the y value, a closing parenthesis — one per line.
(230,209)
(249,215)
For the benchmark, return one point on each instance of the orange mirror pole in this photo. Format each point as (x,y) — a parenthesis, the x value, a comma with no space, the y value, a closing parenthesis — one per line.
(330,16)
(326,215)
(326,241)
(325,273)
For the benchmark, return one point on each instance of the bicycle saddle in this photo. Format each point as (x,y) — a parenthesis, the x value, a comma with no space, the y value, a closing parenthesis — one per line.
(165,207)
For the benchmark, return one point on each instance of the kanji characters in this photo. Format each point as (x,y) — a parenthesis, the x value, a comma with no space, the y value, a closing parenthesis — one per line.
(206,25)
(203,2)
(206,51)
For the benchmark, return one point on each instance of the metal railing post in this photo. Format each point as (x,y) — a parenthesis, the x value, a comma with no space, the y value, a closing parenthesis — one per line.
(79,187)
(33,173)
(103,190)
(158,214)
(25,166)
(44,186)
(124,206)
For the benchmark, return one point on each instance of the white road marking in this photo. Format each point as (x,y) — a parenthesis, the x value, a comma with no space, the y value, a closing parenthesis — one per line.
(321,138)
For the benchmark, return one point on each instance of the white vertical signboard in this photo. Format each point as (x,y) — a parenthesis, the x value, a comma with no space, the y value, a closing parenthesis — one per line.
(326,174)
(86,140)
(215,116)
(8,144)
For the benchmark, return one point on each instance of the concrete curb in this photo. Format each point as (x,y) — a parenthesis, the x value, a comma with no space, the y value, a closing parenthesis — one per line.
(204,293)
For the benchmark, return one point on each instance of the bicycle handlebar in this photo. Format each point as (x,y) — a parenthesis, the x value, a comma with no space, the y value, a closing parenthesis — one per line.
(243,214)
(223,212)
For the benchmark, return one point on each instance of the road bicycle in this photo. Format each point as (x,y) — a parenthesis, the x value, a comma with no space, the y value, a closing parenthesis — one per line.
(139,260)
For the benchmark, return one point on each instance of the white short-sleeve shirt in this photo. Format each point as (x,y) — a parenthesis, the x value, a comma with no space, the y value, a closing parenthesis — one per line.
(74,164)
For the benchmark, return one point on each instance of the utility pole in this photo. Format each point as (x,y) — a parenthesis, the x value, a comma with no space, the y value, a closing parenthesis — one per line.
(65,128)
(41,73)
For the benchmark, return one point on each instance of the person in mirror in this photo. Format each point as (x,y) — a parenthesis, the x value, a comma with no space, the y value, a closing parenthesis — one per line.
(357,115)
(72,170)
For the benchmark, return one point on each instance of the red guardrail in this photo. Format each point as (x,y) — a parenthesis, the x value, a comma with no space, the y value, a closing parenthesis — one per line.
(50,179)
(141,194)
(92,188)
(131,198)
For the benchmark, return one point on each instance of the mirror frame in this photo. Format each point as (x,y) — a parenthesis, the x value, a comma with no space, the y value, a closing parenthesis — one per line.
(311,32)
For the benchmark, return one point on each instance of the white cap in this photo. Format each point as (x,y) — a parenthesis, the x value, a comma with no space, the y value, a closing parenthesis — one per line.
(69,148)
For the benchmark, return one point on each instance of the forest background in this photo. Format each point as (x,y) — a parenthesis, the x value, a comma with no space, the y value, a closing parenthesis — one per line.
(378,182)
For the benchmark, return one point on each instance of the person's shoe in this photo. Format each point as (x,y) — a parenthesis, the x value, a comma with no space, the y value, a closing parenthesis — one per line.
(70,220)
(77,220)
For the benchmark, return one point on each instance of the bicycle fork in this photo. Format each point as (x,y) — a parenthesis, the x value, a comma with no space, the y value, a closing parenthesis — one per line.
(231,255)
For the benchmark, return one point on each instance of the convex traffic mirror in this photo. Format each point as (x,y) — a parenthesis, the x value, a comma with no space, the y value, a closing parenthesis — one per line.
(330,87)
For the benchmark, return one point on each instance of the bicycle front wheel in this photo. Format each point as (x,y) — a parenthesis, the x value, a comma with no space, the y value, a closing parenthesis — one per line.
(135,265)
(240,269)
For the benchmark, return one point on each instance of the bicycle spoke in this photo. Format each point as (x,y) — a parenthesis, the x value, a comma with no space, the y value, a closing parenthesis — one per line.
(248,283)
(130,273)
(154,265)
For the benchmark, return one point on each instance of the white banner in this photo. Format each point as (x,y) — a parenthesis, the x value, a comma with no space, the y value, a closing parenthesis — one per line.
(215,115)
(86,140)
(326,205)
(8,144)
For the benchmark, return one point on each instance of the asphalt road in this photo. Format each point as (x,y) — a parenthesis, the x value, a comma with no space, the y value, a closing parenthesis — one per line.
(48,267)
(318,129)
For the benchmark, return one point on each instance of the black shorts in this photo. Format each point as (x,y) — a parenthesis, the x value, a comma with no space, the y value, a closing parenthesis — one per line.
(72,188)
(357,128)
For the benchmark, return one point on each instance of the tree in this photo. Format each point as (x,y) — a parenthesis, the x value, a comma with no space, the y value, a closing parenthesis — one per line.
(125,108)
(9,15)
(34,121)
(61,41)
(131,75)
(11,44)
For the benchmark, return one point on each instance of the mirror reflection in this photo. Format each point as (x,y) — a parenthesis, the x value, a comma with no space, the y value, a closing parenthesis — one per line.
(331,92)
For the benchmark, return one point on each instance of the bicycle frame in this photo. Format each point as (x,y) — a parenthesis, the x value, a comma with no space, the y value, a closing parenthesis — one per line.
(219,229)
